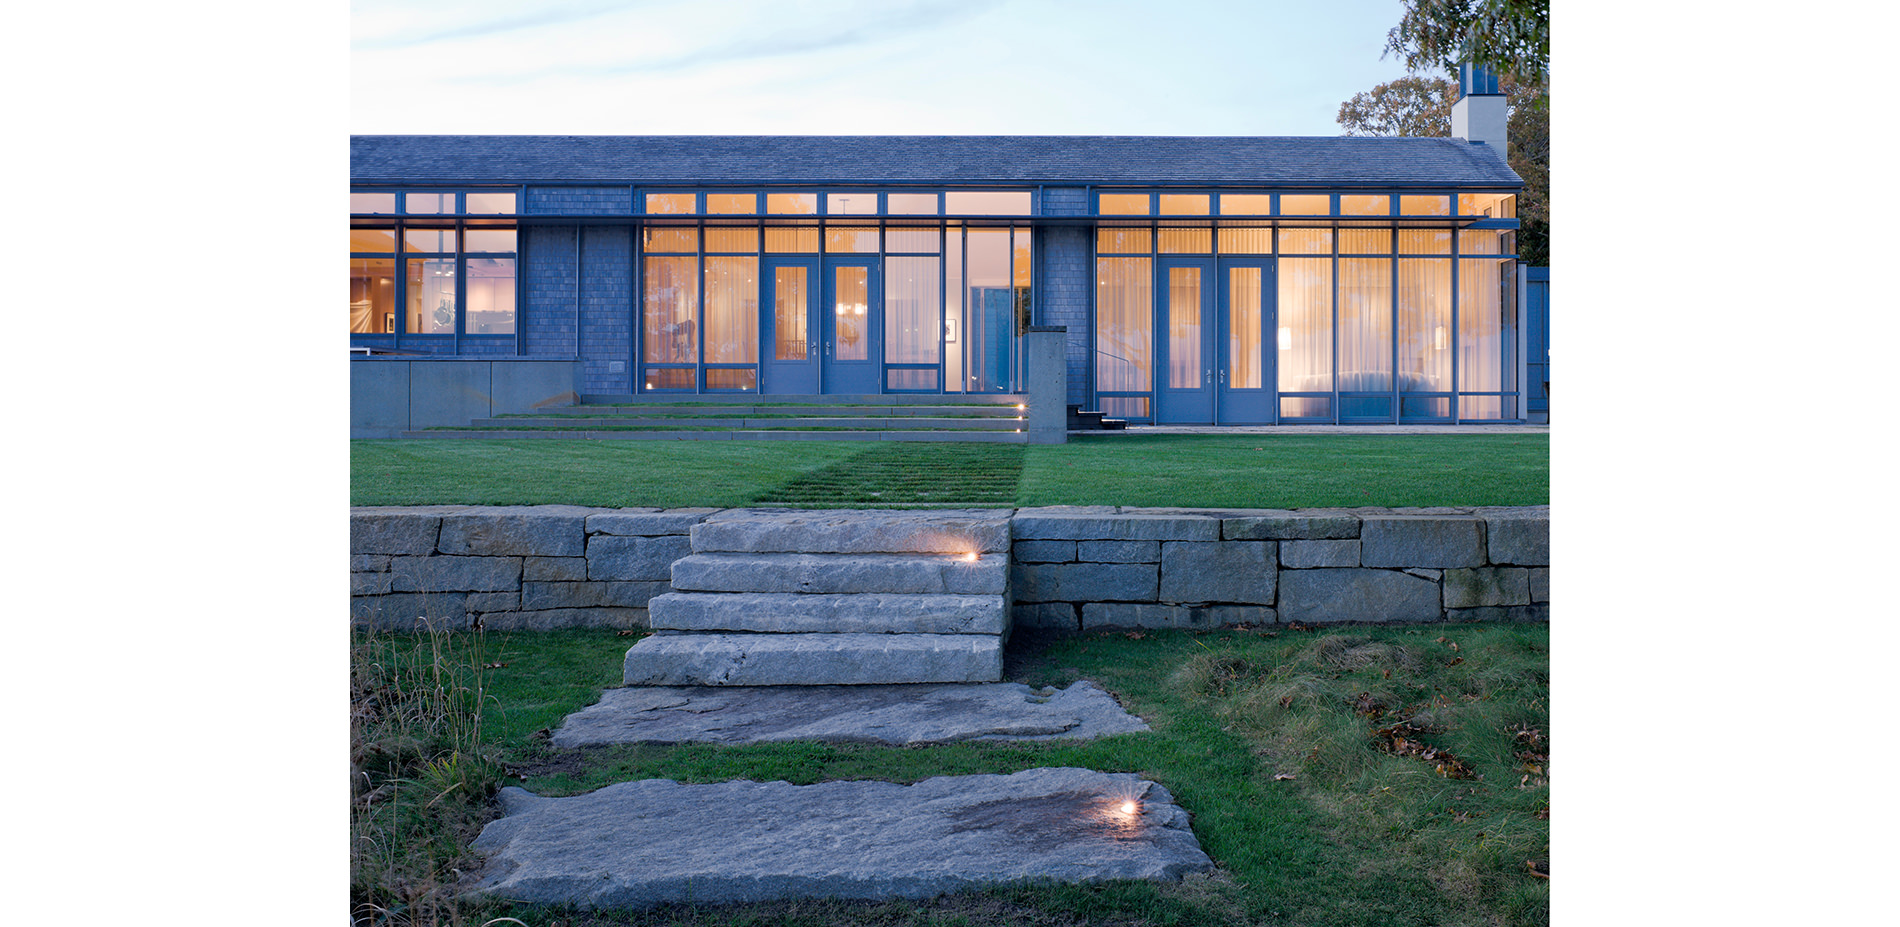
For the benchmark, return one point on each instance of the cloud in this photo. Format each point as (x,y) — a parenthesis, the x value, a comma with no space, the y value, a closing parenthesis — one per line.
(552,16)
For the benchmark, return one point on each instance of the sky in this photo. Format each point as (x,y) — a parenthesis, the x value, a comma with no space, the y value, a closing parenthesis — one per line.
(904,67)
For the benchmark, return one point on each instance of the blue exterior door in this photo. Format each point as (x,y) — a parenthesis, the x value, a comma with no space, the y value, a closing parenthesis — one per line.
(1244,375)
(1184,338)
(852,349)
(789,326)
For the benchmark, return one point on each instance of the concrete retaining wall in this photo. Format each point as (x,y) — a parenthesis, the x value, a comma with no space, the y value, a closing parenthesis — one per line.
(1072,568)
(391,395)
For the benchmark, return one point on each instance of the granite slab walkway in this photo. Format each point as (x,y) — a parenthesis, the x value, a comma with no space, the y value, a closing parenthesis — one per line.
(903,715)
(639,844)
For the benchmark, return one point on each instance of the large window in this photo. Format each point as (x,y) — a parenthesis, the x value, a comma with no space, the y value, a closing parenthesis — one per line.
(431,265)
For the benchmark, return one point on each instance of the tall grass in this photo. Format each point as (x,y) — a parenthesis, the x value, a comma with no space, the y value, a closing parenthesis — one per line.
(421,773)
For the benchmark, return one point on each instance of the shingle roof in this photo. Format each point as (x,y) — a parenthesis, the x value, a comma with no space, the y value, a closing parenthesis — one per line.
(928,159)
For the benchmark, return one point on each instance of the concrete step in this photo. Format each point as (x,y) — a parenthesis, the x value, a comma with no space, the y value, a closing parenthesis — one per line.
(672,659)
(585,434)
(699,411)
(846,399)
(790,613)
(864,423)
(915,574)
(953,531)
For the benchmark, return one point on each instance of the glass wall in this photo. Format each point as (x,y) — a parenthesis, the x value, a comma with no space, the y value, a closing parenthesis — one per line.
(1410,316)
(939,307)
(422,275)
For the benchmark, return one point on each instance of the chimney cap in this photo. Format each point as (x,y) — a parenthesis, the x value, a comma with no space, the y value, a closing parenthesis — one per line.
(1476,80)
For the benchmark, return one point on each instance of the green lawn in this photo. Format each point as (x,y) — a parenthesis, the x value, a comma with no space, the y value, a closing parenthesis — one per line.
(1367,776)
(1232,471)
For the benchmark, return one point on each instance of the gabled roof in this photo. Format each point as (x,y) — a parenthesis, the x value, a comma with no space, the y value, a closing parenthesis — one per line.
(928,159)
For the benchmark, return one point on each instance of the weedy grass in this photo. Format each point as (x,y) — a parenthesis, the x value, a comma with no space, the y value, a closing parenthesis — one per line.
(1362,776)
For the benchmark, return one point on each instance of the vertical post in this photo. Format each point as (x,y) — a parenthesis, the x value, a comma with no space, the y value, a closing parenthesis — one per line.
(1048,378)
(1523,344)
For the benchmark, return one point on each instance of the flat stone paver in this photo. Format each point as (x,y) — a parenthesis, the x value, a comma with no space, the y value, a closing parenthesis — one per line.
(893,714)
(639,844)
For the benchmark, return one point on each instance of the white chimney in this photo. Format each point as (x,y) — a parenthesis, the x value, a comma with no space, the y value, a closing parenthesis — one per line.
(1480,114)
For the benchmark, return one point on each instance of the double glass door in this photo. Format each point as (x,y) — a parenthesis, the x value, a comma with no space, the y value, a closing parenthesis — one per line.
(1212,365)
(822,321)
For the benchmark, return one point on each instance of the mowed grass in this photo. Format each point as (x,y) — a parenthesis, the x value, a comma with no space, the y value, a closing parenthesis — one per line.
(1361,776)
(1219,471)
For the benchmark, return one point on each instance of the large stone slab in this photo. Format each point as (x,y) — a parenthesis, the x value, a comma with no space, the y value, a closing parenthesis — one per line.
(1518,536)
(1317,596)
(1228,571)
(1045,524)
(841,573)
(857,532)
(1427,541)
(780,612)
(656,841)
(1085,582)
(1287,525)
(673,659)
(903,715)
(529,531)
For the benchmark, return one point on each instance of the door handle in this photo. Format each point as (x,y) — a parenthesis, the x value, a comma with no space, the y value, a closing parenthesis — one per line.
(1210,374)
(827,349)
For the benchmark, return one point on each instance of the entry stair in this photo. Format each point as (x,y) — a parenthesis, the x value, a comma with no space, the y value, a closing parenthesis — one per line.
(1081,420)
(775,598)
(993,417)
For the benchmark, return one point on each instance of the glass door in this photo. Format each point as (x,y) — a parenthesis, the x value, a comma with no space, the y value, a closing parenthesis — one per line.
(789,322)
(1185,336)
(1244,376)
(852,348)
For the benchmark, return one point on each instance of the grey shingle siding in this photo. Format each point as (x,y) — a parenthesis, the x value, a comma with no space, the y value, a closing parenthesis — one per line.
(925,159)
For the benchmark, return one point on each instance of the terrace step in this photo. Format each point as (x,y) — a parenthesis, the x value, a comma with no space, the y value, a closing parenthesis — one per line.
(907,574)
(862,613)
(818,598)
(672,659)
(751,417)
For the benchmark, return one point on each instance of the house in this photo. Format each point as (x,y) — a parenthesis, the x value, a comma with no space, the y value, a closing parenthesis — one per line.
(1199,279)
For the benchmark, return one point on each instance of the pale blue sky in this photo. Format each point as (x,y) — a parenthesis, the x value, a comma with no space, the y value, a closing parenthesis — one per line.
(1064,67)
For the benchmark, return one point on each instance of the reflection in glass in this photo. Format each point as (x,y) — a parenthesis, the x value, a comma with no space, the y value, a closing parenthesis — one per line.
(670,378)
(1355,204)
(738,378)
(851,298)
(911,204)
(851,204)
(1424,241)
(372,296)
(428,203)
(492,240)
(669,240)
(990,304)
(1305,337)
(791,204)
(732,310)
(1494,205)
(848,239)
(1124,241)
(790,295)
(1123,204)
(1124,324)
(484,204)
(670,311)
(1487,335)
(372,203)
(980,203)
(1184,328)
(491,296)
(1244,327)
(1365,241)
(1185,241)
(911,321)
(1424,205)
(1306,204)
(672,204)
(911,240)
(429,240)
(1479,241)
(431,304)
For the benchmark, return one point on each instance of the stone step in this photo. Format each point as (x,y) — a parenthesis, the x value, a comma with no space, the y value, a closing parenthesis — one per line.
(602,434)
(755,423)
(672,659)
(789,613)
(694,411)
(955,531)
(805,399)
(917,574)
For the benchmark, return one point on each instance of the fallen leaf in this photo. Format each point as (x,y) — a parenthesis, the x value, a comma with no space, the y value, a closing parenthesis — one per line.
(1134,635)
(493,665)
(1282,777)
(1538,869)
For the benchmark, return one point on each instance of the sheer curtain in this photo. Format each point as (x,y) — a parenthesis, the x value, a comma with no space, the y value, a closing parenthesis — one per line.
(1124,323)
(732,310)
(911,320)
(1184,328)
(671,310)
(1305,337)
(1424,324)
(1365,324)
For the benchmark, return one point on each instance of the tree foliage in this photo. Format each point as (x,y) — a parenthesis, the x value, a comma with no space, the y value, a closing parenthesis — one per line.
(1511,38)
(1421,107)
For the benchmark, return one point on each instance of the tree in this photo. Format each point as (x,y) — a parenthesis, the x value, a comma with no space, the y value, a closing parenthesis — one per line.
(1510,38)
(1421,107)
